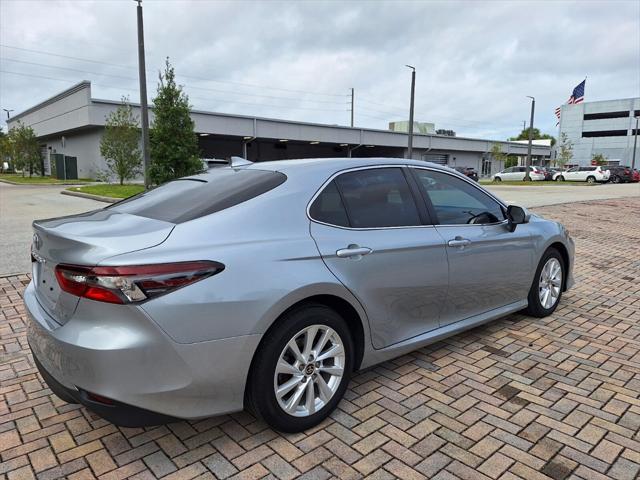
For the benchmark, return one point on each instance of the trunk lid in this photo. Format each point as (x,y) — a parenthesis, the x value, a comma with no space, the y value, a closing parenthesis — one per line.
(85,239)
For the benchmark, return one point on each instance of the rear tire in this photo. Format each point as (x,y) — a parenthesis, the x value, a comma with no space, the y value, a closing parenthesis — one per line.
(318,391)
(616,179)
(539,305)
(559,178)
(591,180)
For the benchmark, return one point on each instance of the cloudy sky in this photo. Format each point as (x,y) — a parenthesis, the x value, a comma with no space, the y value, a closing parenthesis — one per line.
(476,60)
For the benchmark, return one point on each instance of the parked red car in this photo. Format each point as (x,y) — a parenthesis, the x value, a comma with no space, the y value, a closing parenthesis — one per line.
(636,176)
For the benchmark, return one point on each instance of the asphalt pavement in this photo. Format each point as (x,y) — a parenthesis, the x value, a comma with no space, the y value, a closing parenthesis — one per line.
(22,204)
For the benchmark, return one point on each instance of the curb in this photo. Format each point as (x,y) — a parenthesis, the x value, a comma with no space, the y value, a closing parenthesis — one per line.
(91,196)
(9,182)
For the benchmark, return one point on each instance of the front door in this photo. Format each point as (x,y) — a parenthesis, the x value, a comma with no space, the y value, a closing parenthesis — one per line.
(489,267)
(375,239)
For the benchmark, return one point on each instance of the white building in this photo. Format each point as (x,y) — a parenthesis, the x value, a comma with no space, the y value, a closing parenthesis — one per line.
(606,127)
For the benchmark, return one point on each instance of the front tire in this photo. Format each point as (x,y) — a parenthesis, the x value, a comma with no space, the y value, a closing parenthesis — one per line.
(497,179)
(546,290)
(301,369)
(560,178)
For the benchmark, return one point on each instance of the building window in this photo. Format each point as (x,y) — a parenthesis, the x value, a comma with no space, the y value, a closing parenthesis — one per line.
(600,116)
(605,133)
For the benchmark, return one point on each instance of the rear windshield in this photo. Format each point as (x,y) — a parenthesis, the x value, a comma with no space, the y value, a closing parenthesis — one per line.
(189,198)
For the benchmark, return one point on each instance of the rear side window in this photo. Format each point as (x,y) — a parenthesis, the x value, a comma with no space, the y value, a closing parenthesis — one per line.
(378,198)
(186,199)
(328,207)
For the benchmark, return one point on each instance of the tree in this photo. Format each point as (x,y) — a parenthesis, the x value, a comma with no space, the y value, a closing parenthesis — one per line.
(565,153)
(5,149)
(120,142)
(25,150)
(599,159)
(511,161)
(497,154)
(524,135)
(173,142)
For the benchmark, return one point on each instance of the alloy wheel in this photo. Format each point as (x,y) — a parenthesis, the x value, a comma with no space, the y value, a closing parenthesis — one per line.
(309,370)
(550,283)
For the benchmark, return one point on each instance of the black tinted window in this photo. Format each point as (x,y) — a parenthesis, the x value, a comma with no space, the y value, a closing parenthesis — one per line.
(378,198)
(186,199)
(328,207)
(456,202)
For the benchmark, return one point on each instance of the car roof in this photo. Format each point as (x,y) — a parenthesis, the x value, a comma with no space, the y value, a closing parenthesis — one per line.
(324,167)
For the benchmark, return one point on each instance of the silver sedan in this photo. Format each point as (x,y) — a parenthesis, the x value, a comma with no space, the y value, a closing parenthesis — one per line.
(265,285)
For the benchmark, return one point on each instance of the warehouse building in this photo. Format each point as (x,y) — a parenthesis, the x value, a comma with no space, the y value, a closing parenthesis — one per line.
(606,127)
(70,125)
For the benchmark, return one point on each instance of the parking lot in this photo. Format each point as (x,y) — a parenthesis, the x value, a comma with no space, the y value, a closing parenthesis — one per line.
(526,398)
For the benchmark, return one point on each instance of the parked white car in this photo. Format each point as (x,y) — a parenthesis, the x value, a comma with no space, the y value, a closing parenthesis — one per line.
(591,174)
(517,174)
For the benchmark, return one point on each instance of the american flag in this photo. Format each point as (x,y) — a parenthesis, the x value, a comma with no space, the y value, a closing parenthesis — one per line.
(577,96)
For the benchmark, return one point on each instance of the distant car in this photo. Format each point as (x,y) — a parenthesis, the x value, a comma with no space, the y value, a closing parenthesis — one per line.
(590,174)
(620,174)
(214,163)
(468,171)
(636,176)
(548,173)
(518,174)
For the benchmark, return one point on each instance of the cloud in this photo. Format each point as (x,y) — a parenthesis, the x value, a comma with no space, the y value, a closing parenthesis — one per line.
(476,61)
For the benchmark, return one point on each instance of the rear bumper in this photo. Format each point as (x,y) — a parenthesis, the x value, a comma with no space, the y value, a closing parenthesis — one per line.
(117,413)
(121,354)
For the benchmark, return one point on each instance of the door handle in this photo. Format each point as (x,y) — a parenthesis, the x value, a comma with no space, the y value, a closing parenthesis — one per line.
(353,251)
(459,242)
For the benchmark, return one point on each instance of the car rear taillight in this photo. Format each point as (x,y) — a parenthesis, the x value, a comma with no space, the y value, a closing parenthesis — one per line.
(132,283)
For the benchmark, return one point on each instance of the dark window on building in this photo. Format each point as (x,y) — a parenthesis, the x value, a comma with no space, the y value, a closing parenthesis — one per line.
(456,202)
(600,116)
(186,199)
(328,207)
(378,198)
(605,133)
(636,113)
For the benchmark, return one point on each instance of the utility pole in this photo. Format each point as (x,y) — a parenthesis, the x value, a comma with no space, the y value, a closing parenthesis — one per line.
(635,144)
(413,91)
(8,112)
(524,125)
(352,102)
(144,108)
(527,176)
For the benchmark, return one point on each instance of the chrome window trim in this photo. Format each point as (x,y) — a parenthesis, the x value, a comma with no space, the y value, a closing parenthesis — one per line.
(355,169)
(477,187)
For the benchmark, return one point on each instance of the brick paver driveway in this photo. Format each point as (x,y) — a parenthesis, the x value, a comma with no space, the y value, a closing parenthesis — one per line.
(520,398)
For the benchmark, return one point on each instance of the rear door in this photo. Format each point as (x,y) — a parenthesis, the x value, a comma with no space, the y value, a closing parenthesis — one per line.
(489,267)
(378,241)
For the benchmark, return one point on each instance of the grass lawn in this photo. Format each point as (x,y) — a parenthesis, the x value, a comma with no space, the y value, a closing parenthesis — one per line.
(537,183)
(37,180)
(110,190)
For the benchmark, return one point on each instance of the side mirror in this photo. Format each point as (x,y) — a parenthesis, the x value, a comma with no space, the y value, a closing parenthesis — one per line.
(516,215)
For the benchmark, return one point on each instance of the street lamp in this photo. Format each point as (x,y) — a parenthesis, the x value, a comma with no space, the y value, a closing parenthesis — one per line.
(635,144)
(527,177)
(144,108)
(8,112)
(413,91)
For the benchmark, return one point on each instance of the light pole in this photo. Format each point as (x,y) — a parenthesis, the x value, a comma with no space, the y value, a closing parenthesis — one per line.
(635,144)
(352,102)
(8,112)
(527,176)
(144,108)
(413,91)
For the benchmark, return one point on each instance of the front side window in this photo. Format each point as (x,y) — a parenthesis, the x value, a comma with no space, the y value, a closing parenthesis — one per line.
(456,202)
(370,198)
